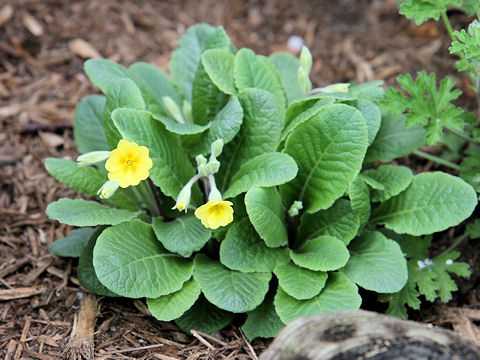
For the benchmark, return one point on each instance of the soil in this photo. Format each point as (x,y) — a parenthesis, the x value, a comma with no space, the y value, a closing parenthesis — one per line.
(43,44)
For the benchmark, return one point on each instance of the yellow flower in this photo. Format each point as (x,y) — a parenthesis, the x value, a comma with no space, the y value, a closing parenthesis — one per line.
(215,213)
(128,163)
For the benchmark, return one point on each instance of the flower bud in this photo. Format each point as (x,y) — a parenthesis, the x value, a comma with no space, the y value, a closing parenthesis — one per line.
(108,189)
(334,88)
(92,158)
(295,208)
(306,59)
(215,194)
(187,111)
(173,109)
(183,198)
(213,166)
(216,148)
(201,160)
(304,80)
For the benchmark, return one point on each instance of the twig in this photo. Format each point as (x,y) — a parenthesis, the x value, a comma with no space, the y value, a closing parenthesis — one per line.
(202,340)
(252,352)
(210,337)
(135,349)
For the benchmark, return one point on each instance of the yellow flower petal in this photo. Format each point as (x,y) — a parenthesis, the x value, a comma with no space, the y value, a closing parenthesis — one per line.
(215,213)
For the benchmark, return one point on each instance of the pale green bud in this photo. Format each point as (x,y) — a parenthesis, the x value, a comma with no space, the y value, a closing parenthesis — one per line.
(306,59)
(183,198)
(92,158)
(201,160)
(108,189)
(214,194)
(187,111)
(173,109)
(216,148)
(202,165)
(295,208)
(304,80)
(334,88)
(213,166)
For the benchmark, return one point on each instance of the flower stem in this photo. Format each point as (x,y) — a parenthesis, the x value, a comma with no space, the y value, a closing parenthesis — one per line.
(457,243)
(448,25)
(462,135)
(437,160)
(158,205)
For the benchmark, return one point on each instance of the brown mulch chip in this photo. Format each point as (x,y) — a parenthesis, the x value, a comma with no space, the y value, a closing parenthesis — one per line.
(43,309)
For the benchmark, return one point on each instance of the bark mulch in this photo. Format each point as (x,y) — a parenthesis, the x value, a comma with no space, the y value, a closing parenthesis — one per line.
(43,43)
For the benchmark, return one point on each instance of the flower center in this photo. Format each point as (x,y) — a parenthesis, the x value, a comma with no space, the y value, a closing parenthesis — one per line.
(130,162)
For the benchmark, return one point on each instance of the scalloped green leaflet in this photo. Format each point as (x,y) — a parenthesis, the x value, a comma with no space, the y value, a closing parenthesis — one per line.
(433,202)
(267,215)
(81,212)
(172,306)
(265,170)
(329,149)
(243,250)
(228,289)
(131,262)
(323,253)
(184,235)
(376,263)
(338,294)
(300,283)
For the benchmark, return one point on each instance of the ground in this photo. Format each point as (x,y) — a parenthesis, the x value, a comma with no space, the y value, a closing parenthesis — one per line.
(43,44)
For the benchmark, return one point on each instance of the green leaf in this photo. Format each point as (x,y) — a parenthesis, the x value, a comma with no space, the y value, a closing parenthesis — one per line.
(122,93)
(255,71)
(371,90)
(338,294)
(300,283)
(376,263)
(423,10)
(207,99)
(372,115)
(329,150)
(181,129)
(73,244)
(473,229)
(323,253)
(263,321)
(204,317)
(88,127)
(267,215)
(230,290)
(467,47)
(244,251)
(184,235)
(287,66)
(470,167)
(225,125)
(338,221)
(81,212)
(395,140)
(88,180)
(219,66)
(130,261)
(265,170)
(184,63)
(86,273)
(172,306)
(171,168)
(426,105)
(156,80)
(433,202)
(394,178)
(260,133)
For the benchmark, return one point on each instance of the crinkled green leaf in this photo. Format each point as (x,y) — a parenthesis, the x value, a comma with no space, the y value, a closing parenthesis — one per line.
(81,212)
(182,129)
(394,178)
(300,283)
(184,235)
(329,149)
(338,294)
(72,244)
(433,202)
(287,66)
(322,253)
(171,168)
(339,221)
(130,261)
(172,306)
(88,128)
(359,194)
(265,170)
(219,66)
(243,250)
(395,140)
(372,115)
(204,317)
(267,215)
(371,90)
(376,263)
(228,289)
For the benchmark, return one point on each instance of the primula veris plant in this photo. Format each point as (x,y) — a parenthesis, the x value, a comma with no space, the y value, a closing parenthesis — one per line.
(233,187)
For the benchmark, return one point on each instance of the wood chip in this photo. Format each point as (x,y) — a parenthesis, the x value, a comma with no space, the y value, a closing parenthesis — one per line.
(32,25)
(84,49)
(6,14)
(51,139)
(19,293)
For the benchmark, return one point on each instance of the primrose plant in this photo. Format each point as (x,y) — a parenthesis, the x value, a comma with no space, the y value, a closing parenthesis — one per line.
(233,187)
